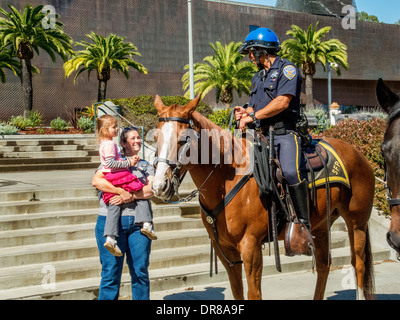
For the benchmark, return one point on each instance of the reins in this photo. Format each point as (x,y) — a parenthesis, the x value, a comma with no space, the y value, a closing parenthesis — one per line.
(391,202)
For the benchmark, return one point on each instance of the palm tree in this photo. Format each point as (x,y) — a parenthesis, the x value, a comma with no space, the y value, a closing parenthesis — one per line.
(225,71)
(306,49)
(24,34)
(103,55)
(7,61)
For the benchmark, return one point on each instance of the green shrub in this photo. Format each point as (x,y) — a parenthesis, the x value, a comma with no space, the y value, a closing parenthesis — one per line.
(86,124)
(222,117)
(7,129)
(141,112)
(367,136)
(20,122)
(36,119)
(58,124)
(322,118)
(145,104)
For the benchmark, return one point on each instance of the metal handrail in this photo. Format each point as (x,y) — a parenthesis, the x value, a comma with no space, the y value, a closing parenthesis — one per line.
(119,116)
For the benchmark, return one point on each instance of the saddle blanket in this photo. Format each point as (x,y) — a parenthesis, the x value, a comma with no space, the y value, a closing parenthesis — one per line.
(337,172)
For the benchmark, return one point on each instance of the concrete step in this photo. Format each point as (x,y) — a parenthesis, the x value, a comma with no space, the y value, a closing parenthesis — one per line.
(48,219)
(48,155)
(170,230)
(40,195)
(47,148)
(44,141)
(22,162)
(49,166)
(28,207)
(62,193)
(20,216)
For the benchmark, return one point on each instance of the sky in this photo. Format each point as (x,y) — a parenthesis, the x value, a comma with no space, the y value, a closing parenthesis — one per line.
(387,11)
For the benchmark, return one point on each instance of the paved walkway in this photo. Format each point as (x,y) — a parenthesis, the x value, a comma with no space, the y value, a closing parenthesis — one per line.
(299,286)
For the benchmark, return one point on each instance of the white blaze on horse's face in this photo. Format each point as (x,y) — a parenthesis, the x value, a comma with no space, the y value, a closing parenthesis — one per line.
(166,137)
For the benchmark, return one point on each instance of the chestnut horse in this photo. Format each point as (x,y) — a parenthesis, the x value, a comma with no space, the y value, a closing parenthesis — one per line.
(243,224)
(390,102)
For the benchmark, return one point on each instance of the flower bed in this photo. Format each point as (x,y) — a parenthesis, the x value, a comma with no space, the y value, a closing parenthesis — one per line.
(367,136)
(36,131)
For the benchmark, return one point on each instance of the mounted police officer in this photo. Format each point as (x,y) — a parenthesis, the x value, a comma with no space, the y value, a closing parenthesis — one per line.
(275,101)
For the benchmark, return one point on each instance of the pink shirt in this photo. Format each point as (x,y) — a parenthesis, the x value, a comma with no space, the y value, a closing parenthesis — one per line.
(110,157)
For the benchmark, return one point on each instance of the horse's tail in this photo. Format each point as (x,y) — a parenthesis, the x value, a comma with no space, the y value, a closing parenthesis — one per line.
(369,281)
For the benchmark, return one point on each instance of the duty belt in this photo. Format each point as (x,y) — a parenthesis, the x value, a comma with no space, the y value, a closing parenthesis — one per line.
(279,128)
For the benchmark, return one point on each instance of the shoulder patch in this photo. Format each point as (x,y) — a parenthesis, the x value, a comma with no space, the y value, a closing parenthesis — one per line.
(289,72)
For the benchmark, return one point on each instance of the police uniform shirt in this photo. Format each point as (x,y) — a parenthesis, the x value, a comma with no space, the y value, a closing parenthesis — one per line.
(283,77)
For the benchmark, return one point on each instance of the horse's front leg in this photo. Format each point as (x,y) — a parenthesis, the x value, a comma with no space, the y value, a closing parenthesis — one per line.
(234,272)
(251,251)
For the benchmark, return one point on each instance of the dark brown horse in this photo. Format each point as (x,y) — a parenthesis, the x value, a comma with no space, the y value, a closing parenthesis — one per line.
(242,225)
(390,102)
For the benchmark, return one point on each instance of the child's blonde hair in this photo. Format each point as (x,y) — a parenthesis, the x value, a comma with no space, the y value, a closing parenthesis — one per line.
(103,123)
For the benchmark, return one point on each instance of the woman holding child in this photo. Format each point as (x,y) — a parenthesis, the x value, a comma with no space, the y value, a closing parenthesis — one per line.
(135,207)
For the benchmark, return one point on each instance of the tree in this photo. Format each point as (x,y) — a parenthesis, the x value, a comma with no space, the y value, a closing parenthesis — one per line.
(23,34)
(7,61)
(224,70)
(363,16)
(306,49)
(103,55)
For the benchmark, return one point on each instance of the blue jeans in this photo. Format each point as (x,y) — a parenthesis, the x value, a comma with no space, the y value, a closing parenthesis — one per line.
(137,248)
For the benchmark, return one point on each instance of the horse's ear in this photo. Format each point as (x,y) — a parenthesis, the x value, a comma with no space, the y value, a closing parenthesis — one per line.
(386,98)
(192,105)
(159,104)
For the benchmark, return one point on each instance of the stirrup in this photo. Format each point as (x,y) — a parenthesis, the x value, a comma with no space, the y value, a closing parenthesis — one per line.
(298,240)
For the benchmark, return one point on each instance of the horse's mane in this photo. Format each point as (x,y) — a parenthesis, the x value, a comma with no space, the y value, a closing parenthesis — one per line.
(204,123)
(394,113)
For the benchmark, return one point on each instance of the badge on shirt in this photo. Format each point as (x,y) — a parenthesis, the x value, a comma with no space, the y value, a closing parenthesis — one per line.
(289,72)
(273,76)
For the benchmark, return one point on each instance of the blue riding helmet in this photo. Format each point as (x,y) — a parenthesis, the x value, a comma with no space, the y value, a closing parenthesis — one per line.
(260,38)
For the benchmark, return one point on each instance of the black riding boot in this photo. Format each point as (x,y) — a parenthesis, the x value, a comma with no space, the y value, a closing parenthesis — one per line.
(298,239)
(299,194)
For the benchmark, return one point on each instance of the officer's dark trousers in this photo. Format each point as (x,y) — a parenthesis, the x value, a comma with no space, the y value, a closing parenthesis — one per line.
(288,151)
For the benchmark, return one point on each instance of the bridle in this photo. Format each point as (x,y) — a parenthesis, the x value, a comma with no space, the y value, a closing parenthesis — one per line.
(176,177)
(391,202)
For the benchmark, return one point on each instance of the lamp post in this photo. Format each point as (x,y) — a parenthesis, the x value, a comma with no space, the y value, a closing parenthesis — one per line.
(191,74)
(329,67)
(332,111)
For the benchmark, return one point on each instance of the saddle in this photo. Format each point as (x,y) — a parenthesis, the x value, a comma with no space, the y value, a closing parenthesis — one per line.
(322,166)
